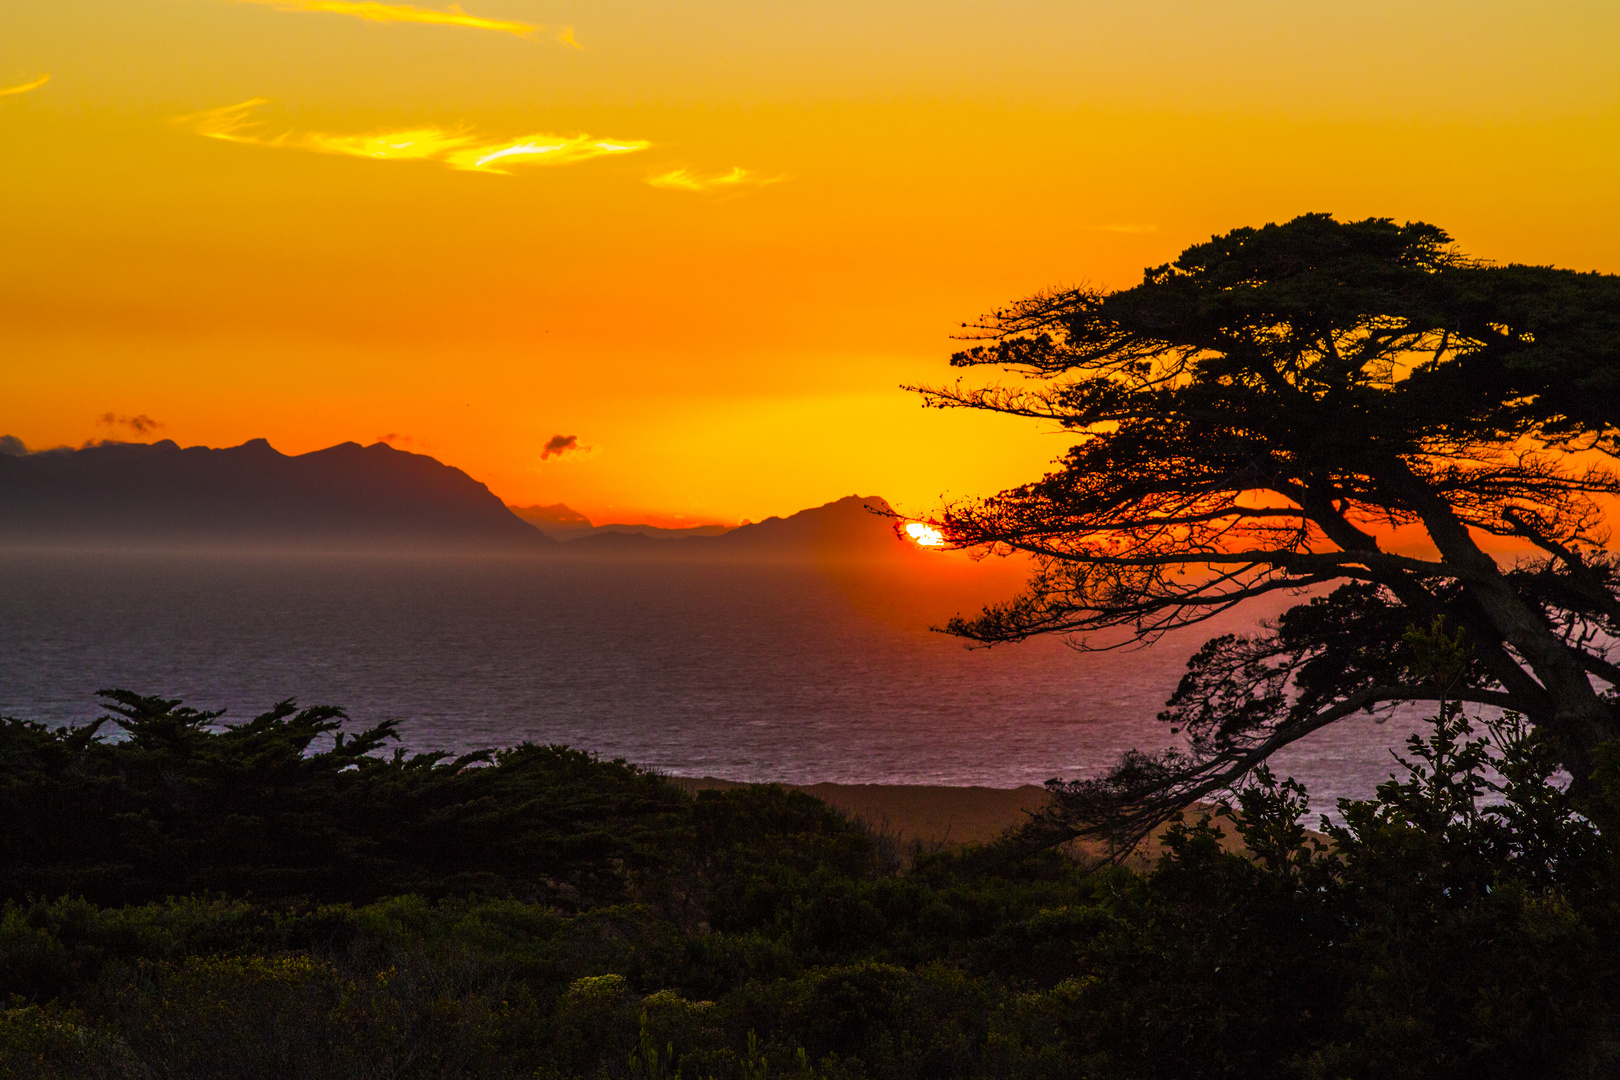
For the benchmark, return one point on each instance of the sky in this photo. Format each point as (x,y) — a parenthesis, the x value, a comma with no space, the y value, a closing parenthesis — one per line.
(675,262)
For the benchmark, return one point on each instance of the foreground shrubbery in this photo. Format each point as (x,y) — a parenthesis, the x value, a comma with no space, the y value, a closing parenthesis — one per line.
(545,914)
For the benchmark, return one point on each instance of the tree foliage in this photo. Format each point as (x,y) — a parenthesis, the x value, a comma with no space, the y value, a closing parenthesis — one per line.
(286,806)
(1262,416)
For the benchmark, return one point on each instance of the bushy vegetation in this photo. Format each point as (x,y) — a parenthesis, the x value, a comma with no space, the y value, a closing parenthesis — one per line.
(269,901)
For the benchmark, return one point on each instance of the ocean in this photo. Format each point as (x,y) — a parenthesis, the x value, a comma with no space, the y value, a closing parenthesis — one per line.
(758,671)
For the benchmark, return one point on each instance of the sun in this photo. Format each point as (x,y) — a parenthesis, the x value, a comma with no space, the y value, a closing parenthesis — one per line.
(925,535)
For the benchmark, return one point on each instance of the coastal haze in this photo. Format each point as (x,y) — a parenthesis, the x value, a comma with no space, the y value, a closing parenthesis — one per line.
(794,650)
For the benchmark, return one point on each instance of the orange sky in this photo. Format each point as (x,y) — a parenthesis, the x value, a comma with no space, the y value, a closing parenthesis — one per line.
(709,239)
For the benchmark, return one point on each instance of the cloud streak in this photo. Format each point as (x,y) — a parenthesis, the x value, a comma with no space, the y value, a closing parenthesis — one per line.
(140,425)
(373,11)
(23,88)
(685,180)
(462,150)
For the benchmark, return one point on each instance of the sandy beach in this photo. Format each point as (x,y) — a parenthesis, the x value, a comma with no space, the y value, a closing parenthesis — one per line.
(938,816)
(928,814)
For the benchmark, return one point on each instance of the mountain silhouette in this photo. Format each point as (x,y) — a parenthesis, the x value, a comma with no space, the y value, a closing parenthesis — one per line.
(561,522)
(558,520)
(147,495)
(851,528)
(158,494)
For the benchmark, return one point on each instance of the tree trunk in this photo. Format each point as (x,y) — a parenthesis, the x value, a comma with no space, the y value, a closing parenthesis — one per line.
(1580,718)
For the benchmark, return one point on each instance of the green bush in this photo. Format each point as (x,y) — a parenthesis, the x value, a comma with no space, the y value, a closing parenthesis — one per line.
(1465,922)
(50,1043)
(179,808)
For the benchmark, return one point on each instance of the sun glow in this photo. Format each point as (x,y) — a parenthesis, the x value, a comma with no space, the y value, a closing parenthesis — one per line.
(924,535)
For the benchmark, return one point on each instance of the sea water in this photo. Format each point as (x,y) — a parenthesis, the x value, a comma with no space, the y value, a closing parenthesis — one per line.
(757,671)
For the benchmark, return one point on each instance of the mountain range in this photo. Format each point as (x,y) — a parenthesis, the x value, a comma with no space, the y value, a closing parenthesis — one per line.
(561,522)
(160,495)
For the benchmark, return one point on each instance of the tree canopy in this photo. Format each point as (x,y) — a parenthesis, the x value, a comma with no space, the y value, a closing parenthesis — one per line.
(1261,416)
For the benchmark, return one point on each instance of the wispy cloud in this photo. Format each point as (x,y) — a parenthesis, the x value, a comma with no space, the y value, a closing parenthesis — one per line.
(459,149)
(566,448)
(372,11)
(558,445)
(140,425)
(397,440)
(685,180)
(565,36)
(23,88)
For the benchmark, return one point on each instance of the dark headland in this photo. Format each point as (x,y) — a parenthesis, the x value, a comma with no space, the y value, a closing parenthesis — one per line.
(160,495)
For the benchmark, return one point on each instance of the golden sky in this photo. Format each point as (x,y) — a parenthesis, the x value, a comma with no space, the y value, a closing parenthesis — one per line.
(709,239)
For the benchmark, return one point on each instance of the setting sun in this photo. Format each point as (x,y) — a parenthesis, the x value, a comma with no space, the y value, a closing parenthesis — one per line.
(925,535)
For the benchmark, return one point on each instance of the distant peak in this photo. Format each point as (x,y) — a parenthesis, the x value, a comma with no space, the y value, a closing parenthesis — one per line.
(855,502)
(556,514)
(337,450)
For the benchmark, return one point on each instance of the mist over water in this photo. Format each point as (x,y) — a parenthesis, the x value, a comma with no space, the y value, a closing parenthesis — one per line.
(748,671)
